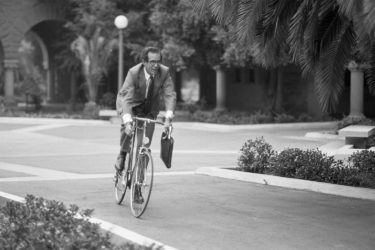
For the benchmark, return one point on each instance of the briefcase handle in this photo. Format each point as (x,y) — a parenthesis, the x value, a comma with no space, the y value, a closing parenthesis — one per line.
(168,132)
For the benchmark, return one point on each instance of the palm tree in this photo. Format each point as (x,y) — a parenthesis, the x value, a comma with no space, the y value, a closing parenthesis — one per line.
(93,52)
(321,36)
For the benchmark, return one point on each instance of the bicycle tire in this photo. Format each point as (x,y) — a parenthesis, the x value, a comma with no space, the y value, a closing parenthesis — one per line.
(144,184)
(121,183)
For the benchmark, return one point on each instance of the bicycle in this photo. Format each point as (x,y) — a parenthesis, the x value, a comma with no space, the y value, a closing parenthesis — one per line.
(139,176)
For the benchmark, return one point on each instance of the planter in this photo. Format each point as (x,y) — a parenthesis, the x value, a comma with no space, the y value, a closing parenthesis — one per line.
(321,187)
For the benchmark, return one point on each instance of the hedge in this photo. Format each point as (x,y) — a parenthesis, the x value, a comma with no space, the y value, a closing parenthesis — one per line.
(47,224)
(257,156)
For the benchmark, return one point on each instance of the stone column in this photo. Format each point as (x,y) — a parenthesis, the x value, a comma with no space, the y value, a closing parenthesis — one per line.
(220,89)
(356,89)
(48,81)
(10,66)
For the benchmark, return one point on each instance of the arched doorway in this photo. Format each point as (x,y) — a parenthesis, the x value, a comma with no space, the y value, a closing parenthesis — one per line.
(40,64)
(34,73)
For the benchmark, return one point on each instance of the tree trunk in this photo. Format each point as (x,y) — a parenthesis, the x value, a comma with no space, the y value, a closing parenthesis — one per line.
(279,90)
(274,90)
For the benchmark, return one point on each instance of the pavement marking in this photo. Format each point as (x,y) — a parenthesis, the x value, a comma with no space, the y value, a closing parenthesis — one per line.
(35,171)
(115,229)
(82,176)
(39,128)
(43,174)
(112,152)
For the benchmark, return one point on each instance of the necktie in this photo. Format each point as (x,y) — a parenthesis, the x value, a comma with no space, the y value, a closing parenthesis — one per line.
(150,90)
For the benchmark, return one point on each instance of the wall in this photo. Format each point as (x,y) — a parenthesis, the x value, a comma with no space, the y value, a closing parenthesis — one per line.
(243,91)
(250,90)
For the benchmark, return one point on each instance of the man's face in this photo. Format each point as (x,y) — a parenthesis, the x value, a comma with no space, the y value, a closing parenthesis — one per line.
(152,65)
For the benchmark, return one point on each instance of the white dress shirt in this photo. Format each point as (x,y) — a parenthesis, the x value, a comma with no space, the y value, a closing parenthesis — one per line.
(128,118)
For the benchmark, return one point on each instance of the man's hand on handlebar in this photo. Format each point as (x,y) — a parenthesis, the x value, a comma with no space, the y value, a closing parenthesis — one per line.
(168,119)
(127,120)
(128,128)
(167,123)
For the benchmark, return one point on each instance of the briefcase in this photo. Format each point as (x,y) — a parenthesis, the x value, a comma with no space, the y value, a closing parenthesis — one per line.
(166,148)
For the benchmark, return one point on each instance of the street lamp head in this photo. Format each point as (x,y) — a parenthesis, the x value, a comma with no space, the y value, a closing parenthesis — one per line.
(121,22)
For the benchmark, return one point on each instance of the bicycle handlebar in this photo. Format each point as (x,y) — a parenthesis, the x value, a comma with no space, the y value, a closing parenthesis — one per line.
(147,120)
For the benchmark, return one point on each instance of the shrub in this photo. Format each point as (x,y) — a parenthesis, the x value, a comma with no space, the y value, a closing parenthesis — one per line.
(350,120)
(260,117)
(364,162)
(305,118)
(91,110)
(258,157)
(314,165)
(44,224)
(255,156)
(297,163)
(284,118)
(108,100)
(285,164)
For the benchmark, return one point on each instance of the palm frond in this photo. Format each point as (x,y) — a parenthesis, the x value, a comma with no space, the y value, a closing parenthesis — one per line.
(249,13)
(200,6)
(329,74)
(277,15)
(331,24)
(349,7)
(369,14)
(297,27)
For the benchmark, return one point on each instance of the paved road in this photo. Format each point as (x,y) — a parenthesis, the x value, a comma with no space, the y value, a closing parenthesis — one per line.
(72,162)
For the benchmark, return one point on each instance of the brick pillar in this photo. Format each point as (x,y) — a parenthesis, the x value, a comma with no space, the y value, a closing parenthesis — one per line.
(356,89)
(220,89)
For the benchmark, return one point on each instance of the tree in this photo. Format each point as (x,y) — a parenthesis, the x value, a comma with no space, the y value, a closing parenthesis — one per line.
(187,38)
(92,23)
(321,36)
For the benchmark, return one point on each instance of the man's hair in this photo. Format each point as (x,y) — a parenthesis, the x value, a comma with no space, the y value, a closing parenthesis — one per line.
(144,55)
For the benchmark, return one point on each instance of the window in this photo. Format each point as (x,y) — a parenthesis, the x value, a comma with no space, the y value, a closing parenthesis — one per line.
(244,76)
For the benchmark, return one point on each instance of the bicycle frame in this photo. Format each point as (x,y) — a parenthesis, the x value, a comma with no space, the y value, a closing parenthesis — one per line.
(134,177)
(135,126)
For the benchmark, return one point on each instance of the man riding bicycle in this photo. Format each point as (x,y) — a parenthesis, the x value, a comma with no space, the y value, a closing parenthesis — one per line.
(145,85)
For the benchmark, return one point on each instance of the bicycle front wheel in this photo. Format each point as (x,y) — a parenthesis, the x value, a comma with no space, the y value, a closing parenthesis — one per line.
(142,180)
(120,188)
(122,183)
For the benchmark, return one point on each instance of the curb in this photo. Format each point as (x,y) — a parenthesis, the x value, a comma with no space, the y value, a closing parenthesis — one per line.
(321,125)
(320,187)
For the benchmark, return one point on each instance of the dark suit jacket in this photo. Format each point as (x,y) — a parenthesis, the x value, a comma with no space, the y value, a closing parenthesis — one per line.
(133,91)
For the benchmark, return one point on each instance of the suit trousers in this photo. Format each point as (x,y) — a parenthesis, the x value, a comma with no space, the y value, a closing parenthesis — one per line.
(126,140)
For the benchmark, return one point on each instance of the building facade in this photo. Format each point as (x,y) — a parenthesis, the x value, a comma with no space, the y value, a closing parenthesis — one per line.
(29,27)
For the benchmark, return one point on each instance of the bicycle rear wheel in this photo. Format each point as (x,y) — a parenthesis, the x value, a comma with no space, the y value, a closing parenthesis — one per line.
(142,180)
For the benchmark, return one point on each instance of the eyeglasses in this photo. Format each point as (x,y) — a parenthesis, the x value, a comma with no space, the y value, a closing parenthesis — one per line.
(153,63)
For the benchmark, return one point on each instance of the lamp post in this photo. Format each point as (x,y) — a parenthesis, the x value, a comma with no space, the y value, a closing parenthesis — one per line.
(121,22)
